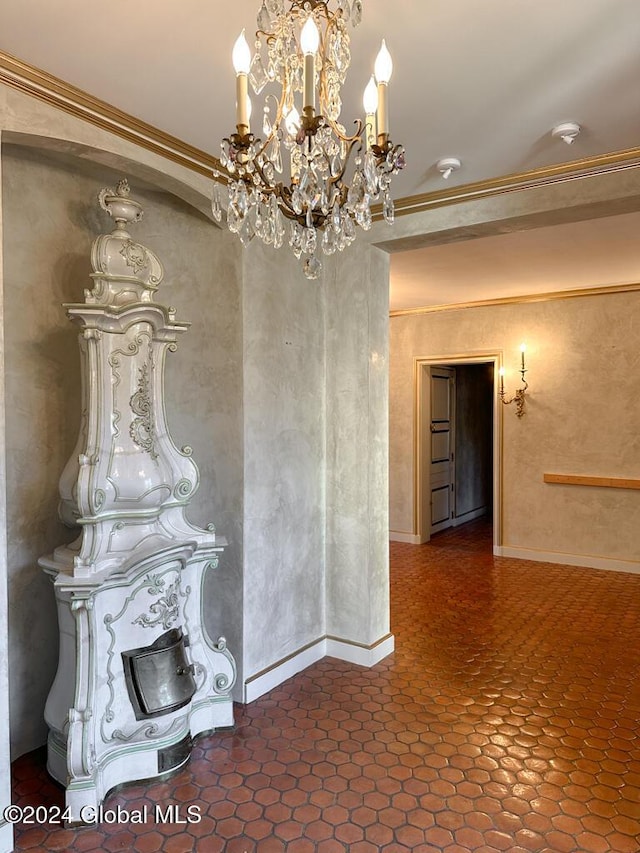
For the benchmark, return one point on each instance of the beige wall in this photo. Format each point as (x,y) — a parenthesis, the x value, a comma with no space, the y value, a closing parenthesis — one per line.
(582,416)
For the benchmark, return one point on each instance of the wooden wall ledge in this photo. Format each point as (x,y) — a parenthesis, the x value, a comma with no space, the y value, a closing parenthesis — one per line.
(578,480)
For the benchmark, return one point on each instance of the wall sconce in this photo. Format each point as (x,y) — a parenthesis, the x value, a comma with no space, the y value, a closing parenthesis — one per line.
(518,397)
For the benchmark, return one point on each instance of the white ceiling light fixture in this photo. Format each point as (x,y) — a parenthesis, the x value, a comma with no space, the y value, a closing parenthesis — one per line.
(448,165)
(567,132)
(302,46)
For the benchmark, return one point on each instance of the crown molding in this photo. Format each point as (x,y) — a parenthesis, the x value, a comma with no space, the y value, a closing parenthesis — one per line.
(51,90)
(586,167)
(604,290)
(55,92)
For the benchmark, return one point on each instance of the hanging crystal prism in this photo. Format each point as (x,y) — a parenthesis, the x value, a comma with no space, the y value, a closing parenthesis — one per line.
(233,219)
(312,267)
(349,229)
(309,218)
(276,155)
(341,239)
(259,222)
(309,241)
(295,239)
(329,241)
(216,206)
(324,201)
(296,200)
(363,214)
(264,19)
(335,216)
(388,209)
(279,231)
(242,199)
(266,123)
(257,75)
(267,232)
(356,191)
(371,173)
(246,231)
(269,172)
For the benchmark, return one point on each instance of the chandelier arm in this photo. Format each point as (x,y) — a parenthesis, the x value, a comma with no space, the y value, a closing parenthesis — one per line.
(264,186)
(337,179)
(285,206)
(289,213)
(518,394)
(356,136)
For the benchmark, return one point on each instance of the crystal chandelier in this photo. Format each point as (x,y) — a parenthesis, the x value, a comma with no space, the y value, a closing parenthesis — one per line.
(292,182)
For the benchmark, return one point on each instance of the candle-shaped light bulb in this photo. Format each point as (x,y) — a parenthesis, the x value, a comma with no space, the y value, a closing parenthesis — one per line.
(523,349)
(370,97)
(241,58)
(370,104)
(310,37)
(309,43)
(501,372)
(383,69)
(384,64)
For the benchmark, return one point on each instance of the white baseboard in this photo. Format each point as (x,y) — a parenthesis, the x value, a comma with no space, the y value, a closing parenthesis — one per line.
(409,538)
(362,655)
(586,560)
(334,647)
(261,683)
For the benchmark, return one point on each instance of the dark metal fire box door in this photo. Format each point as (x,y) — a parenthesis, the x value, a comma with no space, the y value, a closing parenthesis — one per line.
(159,677)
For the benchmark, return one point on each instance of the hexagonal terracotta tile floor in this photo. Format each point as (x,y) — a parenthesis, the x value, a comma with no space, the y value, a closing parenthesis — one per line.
(506,720)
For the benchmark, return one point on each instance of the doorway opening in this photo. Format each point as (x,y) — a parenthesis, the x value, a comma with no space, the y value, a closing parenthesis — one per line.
(457,452)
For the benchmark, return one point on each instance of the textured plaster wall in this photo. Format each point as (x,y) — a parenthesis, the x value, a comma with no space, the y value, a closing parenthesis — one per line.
(284,429)
(357,551)
(51,217)
(582,416)
(316,439)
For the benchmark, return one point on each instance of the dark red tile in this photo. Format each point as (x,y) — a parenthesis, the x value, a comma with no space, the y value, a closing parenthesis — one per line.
(503,721)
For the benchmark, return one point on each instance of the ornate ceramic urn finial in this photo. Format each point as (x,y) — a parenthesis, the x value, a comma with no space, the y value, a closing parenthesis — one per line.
(120,207)
(123,271)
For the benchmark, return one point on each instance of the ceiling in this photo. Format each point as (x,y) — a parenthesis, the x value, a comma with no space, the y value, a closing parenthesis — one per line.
(481,81)
(573,256)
